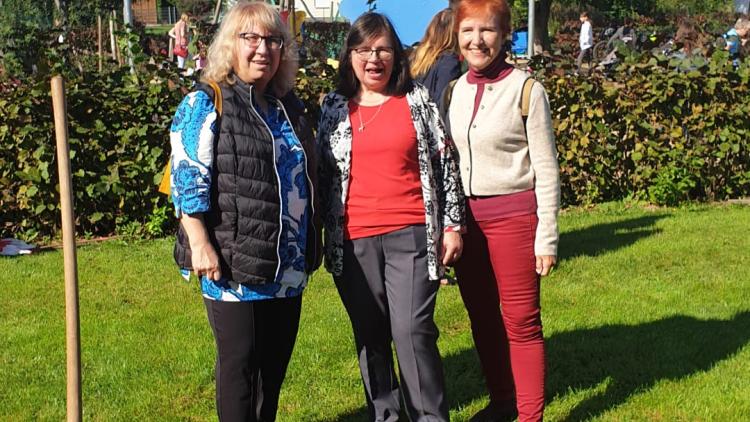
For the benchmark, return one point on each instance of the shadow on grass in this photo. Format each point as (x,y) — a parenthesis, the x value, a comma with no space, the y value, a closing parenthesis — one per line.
(634,358)
(631,358)
(607,237)
(359,415)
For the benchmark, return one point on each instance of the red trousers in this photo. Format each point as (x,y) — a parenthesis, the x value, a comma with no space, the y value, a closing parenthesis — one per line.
(500,289)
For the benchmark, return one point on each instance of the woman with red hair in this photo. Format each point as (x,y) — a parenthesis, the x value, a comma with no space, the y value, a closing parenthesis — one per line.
(511,181)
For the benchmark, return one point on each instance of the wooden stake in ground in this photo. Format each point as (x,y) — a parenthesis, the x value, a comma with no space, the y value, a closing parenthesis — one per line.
(72,323)
(99,39)
(112,40)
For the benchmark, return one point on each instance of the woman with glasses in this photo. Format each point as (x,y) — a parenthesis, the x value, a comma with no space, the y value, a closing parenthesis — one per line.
(243,179)
(393,208)
(511,180)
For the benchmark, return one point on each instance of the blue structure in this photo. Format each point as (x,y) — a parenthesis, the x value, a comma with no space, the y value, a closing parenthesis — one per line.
(520,42)
(409,17)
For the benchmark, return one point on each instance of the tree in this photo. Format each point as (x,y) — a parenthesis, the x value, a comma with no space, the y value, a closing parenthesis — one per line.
(541,23)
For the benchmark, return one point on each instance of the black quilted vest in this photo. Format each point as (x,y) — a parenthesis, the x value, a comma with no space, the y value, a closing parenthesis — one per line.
(244,220)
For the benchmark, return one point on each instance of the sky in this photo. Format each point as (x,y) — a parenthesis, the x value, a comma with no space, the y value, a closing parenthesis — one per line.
(409,17)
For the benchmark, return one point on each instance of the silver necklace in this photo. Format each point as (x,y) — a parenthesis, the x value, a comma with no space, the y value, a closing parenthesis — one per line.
(363,124)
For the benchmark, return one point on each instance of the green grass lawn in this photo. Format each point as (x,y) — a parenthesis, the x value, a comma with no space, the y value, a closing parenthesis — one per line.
(646,318)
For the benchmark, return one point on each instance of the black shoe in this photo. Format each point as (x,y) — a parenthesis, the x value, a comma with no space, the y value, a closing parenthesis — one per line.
(496,412)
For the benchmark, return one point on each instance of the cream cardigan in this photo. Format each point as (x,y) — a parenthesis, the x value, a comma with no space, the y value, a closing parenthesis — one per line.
(495,156)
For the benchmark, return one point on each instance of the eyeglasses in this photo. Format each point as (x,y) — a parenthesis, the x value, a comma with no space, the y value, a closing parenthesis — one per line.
(253,40)
(383,53)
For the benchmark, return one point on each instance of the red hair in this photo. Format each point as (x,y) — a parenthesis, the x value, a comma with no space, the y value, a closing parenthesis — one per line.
(480,8)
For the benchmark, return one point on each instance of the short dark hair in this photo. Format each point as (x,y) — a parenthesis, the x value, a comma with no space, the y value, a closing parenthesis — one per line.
(367,26)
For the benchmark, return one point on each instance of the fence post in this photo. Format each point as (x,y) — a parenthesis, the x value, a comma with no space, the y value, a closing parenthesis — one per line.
(112,40)
(99,39)
(530,33)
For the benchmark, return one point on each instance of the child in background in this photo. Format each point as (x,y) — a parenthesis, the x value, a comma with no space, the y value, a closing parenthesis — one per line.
(737,40)
(586,41)
(200,58)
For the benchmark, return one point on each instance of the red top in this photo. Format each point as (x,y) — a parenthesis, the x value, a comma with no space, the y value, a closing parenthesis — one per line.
(385,192)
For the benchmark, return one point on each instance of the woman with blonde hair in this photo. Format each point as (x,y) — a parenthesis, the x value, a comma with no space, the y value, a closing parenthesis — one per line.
(243,185)
(435,62)
(181,40)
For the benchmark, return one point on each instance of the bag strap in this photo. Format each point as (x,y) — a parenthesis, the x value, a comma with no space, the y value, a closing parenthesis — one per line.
(528,84)
(218,100)
(164,185)
(447,95)
(526,97)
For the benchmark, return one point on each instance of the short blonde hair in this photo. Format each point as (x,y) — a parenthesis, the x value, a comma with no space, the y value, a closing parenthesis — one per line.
(223,50)
(742,24)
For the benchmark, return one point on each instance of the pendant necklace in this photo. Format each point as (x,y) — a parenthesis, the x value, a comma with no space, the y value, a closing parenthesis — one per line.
(363,124)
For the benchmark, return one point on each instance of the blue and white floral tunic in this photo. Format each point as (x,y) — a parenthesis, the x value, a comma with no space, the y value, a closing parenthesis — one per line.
(192,139)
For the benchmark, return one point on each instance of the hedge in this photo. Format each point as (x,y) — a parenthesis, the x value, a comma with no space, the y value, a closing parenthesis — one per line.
(663,131)
(118,133)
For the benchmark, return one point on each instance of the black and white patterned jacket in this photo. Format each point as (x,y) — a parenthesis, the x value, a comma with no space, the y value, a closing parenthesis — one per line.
(441,182)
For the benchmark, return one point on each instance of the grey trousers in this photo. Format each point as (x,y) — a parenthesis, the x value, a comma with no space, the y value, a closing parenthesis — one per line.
(387,293)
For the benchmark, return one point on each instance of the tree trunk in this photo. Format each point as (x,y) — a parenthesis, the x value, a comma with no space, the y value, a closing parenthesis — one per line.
(541,21)
(60,15)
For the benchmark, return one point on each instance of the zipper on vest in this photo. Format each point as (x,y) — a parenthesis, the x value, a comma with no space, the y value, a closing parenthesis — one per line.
(278,186)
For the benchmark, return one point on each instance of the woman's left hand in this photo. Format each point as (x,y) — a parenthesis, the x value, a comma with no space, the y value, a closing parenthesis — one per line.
(453,245)
(544,264)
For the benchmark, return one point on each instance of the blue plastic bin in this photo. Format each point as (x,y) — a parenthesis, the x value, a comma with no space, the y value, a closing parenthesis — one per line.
(520,41)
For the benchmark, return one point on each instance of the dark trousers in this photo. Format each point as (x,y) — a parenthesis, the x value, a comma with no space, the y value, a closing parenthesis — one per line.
(585,54)
(387,293)
(500,288)
(254,342)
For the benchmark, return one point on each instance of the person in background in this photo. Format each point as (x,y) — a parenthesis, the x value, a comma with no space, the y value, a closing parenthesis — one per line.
(435,60)
(200,58)
(586,42)
(179,33)
(243,187)
(393,207)
(689,40)
(510,176)
(737,40)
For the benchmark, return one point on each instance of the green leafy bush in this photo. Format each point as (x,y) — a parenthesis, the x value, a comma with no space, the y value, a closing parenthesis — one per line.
(664,131)
(118,133)
(323,40)
(119,142)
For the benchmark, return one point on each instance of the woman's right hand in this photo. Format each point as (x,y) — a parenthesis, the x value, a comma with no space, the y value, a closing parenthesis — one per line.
(206,261)
(204,258)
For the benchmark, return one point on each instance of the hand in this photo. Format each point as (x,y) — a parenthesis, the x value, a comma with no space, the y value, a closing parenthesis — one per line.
(453,245)
(544,264)
(206,262)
